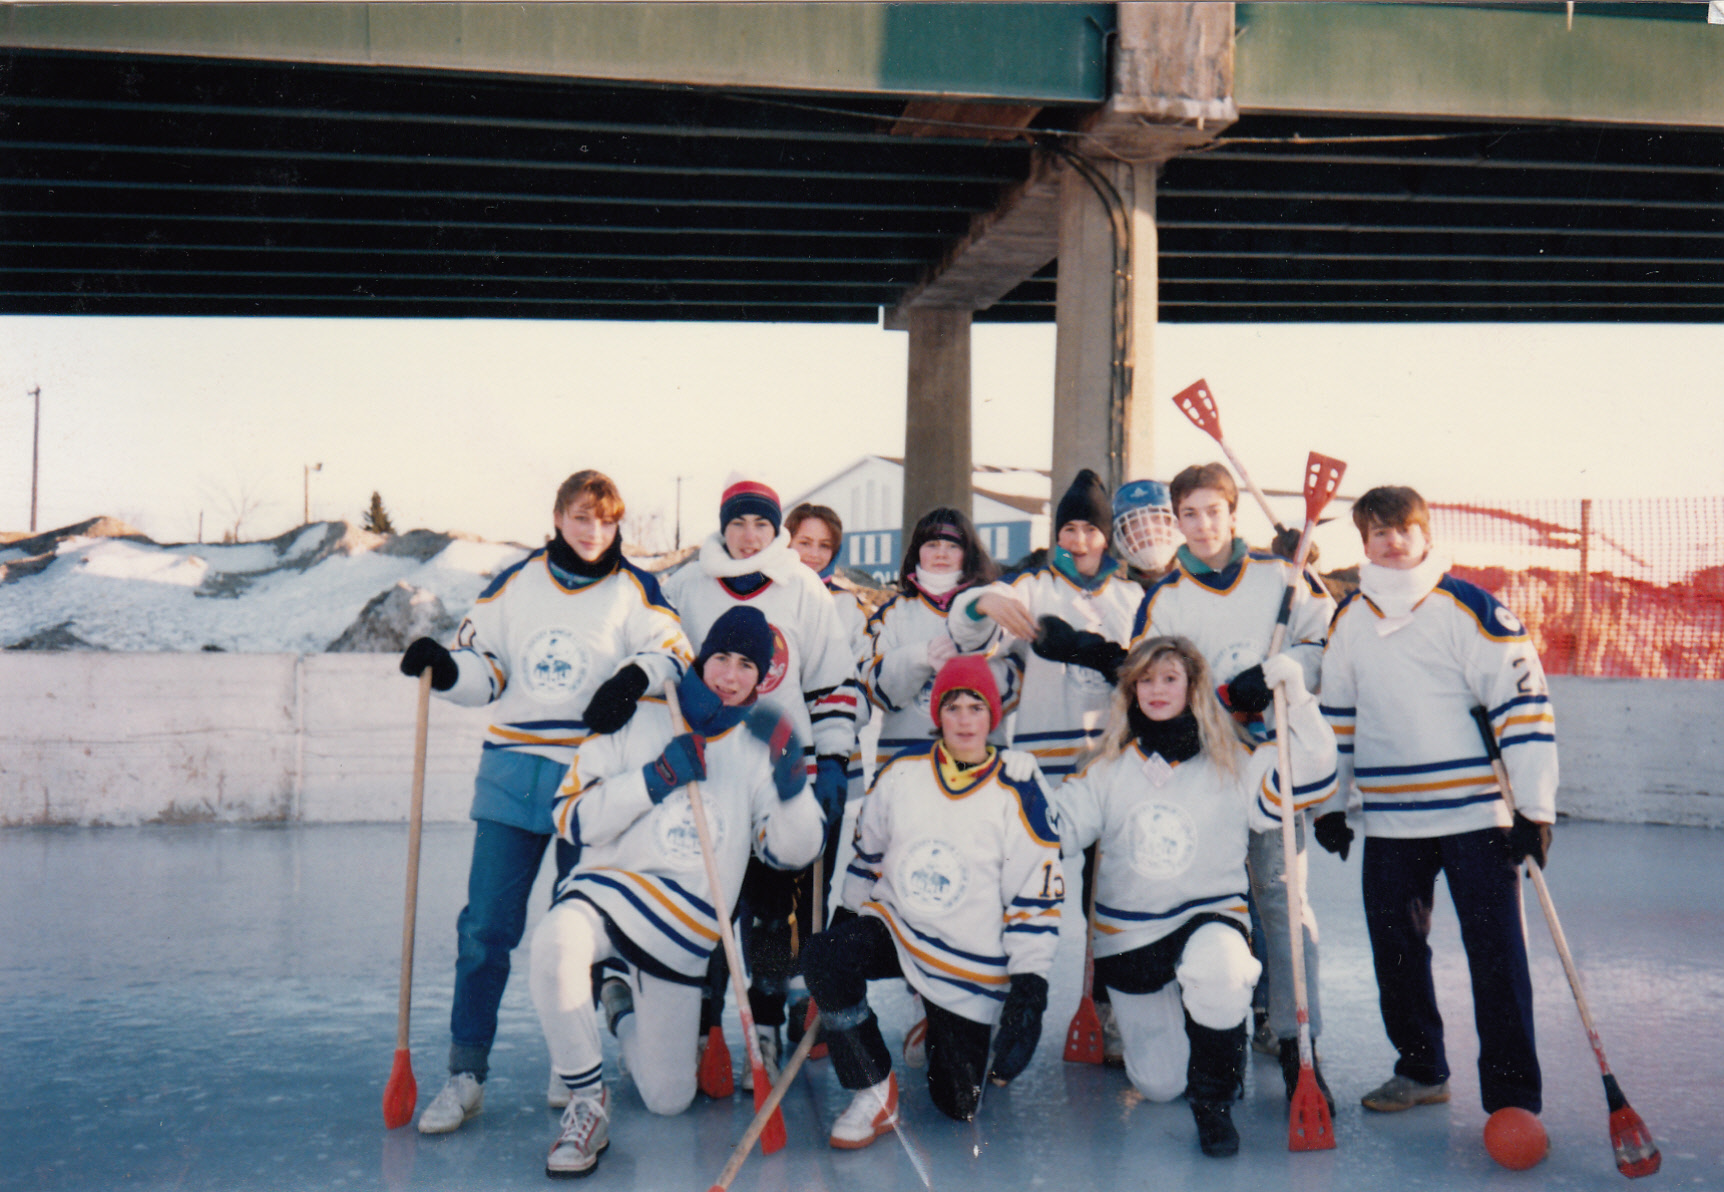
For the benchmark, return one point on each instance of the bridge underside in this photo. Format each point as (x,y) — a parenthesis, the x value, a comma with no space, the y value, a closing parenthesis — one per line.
(160,185)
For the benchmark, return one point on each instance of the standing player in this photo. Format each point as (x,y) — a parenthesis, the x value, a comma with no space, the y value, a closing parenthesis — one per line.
(564,643)
(1225,597)
(1172,800)
(812,679)
(957,887)
(1411,653)
(635,891)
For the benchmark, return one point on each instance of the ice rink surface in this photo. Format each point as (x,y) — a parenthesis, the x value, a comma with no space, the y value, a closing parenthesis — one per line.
(214,1008)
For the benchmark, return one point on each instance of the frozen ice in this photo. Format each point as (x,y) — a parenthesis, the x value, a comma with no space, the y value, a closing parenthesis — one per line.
(213,1007)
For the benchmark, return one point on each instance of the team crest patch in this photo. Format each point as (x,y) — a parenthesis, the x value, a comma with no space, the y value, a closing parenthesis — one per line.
(780,663)
(1163,841)
(1508,620)
(554,665)
(931,877)
(673,825)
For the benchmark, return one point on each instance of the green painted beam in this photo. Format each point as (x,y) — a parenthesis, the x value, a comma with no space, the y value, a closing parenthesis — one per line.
(1485,63)
(1022,53)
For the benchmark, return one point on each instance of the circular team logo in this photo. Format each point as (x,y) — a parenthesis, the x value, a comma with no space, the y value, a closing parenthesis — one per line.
(1163,841)
(554,665)
(673,825)
(1233,658)
(1508,620)
(930,877)
(780,663)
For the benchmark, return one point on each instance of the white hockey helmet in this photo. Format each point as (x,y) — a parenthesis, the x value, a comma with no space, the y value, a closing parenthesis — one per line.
(1145,532)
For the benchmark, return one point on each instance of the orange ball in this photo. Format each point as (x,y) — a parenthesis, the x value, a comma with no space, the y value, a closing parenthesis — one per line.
(1516,1138)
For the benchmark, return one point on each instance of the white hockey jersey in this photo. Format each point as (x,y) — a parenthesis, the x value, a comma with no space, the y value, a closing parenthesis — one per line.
(1399,693)
(899,680)
(539,650)
(813,672)
(641,864)
(967,879)
(1230,614)
(1064,708)
(1173,837)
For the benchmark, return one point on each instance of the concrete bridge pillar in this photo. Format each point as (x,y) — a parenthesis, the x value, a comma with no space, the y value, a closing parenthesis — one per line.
(937,467)
(1105,312)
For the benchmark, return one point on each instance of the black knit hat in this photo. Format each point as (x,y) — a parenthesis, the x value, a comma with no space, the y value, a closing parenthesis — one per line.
(1087,501)
(741,630)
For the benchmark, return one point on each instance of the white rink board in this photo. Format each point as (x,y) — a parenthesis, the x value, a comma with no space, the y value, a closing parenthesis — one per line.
(95,738)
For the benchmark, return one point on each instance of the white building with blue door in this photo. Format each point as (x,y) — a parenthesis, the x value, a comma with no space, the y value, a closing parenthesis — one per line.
(1010,512)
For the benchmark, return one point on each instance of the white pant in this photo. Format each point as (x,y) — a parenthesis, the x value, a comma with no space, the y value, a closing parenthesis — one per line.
(1213,982)
(658,1040)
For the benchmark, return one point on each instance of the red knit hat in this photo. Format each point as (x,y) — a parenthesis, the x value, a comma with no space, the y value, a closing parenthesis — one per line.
(967,672)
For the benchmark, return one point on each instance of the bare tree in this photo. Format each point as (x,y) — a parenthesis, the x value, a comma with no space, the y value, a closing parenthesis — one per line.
(645,532)
(234,502)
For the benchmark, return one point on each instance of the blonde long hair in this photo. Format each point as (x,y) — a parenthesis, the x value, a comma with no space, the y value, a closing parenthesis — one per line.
(1217,732)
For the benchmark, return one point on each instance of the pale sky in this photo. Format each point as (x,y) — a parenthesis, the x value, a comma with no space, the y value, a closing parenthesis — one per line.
(470,425)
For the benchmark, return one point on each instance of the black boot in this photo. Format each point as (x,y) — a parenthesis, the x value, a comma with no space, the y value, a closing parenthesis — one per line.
(1215,1133)
(1290,1072)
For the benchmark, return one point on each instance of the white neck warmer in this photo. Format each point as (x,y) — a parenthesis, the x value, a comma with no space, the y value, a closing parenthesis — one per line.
(1396,593)
(776,562)
(937,583)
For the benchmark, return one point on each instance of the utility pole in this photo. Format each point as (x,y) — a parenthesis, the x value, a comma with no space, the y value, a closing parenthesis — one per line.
(35,454)
(305,520)
(678,545)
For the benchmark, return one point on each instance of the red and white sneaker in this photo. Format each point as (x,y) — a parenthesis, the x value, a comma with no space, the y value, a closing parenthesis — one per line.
(582,1138)
(873,1111)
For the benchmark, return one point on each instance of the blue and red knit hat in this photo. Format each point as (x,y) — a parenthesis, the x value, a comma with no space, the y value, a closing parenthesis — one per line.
(749,496)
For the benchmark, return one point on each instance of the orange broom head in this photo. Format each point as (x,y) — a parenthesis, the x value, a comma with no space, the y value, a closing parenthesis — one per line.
(1636,1153)
(773,1137)
(1309,1127)
(1083,1037)
(715,1079)
(401,1094)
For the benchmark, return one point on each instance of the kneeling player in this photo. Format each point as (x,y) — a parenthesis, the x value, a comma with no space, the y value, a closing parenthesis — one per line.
(635,892)
(1172,798)
(956,886)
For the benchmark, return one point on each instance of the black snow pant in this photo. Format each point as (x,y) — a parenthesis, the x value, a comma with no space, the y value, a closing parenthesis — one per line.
(838,966)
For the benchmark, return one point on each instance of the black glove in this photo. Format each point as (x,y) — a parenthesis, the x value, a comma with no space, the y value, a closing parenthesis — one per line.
(1333,833)
(426,653)
(614,702)
(1059,642)
(1020,1027)
(1528,839)
(1286,544)
(1248,693)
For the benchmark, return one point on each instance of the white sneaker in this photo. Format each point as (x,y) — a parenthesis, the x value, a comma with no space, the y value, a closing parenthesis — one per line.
(582,1138)
(462,1098)
(768,1038)
(556,1093)
(916,1044)
(873,1111)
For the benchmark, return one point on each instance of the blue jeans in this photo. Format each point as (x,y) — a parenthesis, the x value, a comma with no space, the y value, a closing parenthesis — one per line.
(499,882)
(1399,885)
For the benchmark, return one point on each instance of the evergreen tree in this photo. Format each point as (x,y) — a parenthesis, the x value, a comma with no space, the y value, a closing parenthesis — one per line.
(377,517)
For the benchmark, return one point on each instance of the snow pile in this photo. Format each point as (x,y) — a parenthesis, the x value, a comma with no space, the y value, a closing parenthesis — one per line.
(100,585)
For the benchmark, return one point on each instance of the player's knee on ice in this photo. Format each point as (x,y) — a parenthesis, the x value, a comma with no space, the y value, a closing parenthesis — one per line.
(1217,973)
(1152,1028)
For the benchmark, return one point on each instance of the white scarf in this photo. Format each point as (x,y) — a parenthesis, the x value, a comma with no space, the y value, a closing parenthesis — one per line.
(937,583)
(776,562)
(1396,593)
